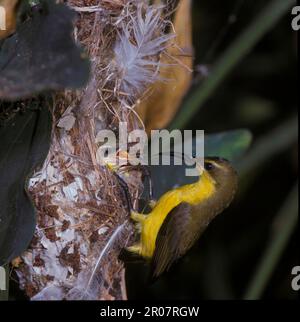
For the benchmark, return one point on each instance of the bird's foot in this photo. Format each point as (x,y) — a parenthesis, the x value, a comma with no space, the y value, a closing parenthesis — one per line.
(152,203)
(136,249)
(137,217)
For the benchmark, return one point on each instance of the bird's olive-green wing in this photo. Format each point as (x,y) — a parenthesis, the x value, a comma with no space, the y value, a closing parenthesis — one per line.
(179,232)
(169,238)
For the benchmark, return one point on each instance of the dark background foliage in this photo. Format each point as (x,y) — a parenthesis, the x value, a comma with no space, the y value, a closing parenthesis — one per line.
(261,94)
(39,57)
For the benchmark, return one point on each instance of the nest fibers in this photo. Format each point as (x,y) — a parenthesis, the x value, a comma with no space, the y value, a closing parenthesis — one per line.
(82,223)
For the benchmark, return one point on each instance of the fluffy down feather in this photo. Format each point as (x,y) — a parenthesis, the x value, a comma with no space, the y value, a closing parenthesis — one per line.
(139,44)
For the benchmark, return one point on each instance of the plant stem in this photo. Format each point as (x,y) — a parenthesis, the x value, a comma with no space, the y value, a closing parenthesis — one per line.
(236,52)
(278,140)
(284,225)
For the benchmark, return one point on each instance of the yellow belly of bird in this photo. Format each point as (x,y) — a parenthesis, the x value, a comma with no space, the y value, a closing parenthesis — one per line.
(192,194)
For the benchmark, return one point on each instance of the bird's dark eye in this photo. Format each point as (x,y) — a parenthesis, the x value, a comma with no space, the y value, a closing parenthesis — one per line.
(208,166)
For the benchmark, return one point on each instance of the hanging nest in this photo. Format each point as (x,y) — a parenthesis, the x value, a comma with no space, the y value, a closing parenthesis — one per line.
(83,218)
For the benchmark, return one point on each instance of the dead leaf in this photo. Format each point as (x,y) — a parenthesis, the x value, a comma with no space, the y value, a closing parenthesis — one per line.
(68,120)
(159,109)
(8,20)
(44,53)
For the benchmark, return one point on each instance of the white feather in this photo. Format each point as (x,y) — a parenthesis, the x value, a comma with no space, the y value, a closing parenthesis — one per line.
(137,48)
(89,284)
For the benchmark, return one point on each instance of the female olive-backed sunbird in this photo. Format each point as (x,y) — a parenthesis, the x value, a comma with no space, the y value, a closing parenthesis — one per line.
(181,215)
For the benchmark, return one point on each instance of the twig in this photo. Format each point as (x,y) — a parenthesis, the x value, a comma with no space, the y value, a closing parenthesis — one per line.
(90,9)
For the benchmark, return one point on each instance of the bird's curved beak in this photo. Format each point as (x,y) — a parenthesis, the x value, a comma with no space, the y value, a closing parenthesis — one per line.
(199,164)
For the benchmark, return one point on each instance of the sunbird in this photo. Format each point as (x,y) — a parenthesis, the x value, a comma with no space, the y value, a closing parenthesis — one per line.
(181,215)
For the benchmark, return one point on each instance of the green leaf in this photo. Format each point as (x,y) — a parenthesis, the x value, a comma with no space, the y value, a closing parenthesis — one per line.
(230,145)
(42,55)
(24,144)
